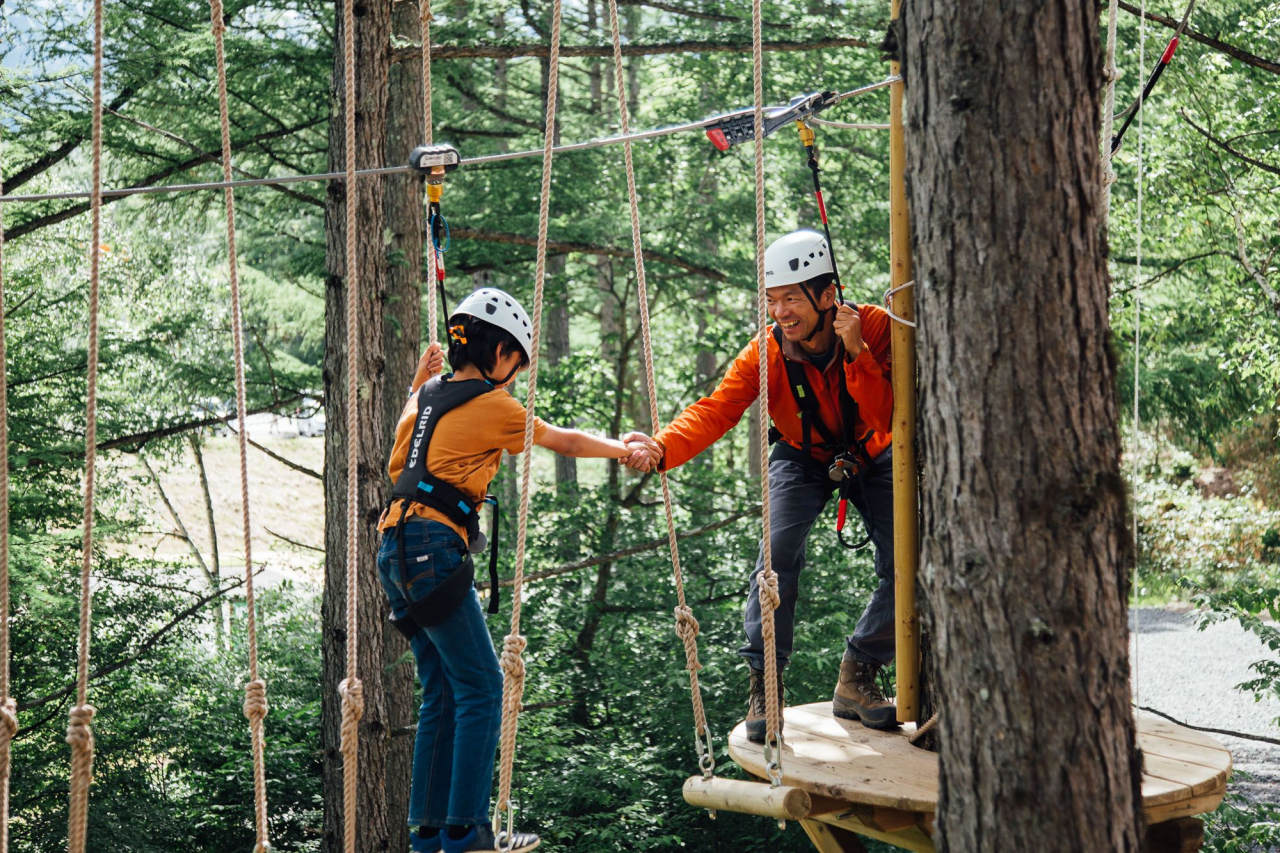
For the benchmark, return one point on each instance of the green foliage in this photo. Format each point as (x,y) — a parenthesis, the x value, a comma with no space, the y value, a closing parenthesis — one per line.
(1242,826)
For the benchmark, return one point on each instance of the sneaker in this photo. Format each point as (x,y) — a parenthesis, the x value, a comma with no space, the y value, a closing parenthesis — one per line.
(858,696)
(480,840)
(422,843)
(756,720)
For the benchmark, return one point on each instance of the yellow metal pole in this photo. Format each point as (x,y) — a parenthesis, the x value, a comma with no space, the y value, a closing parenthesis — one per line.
(906,546)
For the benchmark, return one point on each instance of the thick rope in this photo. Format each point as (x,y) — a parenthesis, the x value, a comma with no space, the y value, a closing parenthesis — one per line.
(918,734)
(351,690)
(767,580)
(79,728)
(514,644)
(255,703)
(432,297)
(1109,77)
(686,624)
(8,707)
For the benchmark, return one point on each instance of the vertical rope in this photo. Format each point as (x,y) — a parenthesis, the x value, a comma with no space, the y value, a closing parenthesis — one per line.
(686,624)
(351,689)
(1109,77)
(8,707)
(432,297)
(1137,351)
(513,646)
(767,581)
(79,728)
(255,701)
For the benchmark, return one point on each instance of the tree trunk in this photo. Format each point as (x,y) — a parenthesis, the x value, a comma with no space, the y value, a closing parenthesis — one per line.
(372,38)
(1024,545)
(558,348)
(402,344)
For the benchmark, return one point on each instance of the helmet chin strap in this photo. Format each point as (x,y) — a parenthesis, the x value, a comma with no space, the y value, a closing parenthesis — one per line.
(496,383)
(822,315)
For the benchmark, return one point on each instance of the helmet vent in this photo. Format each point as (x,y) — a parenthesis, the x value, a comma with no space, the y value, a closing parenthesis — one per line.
(795,264)
(491,308)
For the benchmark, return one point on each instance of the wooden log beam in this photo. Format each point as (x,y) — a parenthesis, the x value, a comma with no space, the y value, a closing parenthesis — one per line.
(413,52)
(757,798)
(1184,835)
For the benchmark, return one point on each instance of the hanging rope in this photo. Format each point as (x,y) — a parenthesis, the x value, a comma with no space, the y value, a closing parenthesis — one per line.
(8,707)
(767,580)
(426,18)
(513,646)
(686,624)
(1109,77)
(255,699)
(79,727)
(351,689)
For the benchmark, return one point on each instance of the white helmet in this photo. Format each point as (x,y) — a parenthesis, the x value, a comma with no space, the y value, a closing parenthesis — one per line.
(797,257)
(502,310)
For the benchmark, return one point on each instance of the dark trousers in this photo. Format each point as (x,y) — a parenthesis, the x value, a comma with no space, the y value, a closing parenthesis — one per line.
(797,494)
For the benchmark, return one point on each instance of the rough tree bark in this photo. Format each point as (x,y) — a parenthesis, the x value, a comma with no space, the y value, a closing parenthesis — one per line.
(1024,545)
(372,61)
(402,344)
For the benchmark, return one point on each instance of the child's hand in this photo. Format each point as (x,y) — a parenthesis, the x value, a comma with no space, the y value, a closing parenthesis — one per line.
(432,362)
(643,452)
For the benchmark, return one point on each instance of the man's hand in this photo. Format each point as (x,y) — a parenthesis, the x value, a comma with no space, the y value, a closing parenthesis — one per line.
(644,452)
(429,366)
(848,325)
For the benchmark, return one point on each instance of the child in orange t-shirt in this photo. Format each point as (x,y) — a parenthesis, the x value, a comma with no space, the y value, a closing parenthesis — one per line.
(448,448)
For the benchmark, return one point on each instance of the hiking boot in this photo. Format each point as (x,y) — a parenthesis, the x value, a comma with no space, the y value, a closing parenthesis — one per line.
(480,840)
(858,696)
(756,720)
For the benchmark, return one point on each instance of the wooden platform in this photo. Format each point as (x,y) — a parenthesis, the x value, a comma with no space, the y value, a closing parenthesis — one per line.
(877,784)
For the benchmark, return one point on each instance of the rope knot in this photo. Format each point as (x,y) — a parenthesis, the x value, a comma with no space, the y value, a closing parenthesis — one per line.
(352,692)
(8,720)
(511,661)
(769,589)
(426,17)
(79,733)
(255,700)
(1109,177)
(686,625)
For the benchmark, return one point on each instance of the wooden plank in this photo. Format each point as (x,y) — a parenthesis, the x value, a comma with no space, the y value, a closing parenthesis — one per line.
(1210,755)
(1197,777)
(832,839)
(881,818)
(1149,724)
(909,839)
(1185,808)
(1159,792)
(854,764)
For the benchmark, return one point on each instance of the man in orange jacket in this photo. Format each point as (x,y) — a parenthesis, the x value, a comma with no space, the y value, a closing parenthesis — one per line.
(831,404)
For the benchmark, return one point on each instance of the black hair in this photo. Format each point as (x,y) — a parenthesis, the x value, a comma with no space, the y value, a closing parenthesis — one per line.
(476,344)
(818,285)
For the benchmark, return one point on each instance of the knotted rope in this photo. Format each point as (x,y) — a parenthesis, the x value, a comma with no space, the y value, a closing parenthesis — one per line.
(929,726)
(1109,77)
(425,17)
(514,644)
(79,732)
(767,580)
(8,708)
(255,703)
(351,689)
(686,624)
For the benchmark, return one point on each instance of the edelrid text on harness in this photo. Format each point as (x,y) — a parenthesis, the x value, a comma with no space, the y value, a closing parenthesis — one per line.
(851,463)
(436,398)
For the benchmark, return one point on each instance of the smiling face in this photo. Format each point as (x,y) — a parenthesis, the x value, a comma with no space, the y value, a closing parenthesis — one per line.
(793,311)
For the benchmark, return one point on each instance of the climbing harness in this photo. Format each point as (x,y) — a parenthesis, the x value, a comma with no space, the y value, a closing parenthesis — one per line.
(436,161)
(417,485)
(851,464)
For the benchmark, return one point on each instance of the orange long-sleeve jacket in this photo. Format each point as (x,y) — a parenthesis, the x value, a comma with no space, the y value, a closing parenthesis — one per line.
(867,378)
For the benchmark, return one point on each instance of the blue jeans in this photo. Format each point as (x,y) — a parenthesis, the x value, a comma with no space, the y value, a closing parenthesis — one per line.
(461,712)
(797,494)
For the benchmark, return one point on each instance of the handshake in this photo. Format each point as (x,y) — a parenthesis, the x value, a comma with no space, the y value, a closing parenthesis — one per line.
(643,453)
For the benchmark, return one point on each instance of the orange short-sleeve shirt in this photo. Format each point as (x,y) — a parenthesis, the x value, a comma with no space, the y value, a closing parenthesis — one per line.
(466,448)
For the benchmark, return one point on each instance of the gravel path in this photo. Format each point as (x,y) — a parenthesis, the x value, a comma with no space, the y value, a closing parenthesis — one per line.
(1191,675)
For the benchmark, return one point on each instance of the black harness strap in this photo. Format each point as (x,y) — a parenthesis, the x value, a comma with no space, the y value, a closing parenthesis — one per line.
(808,403)
(417,485)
